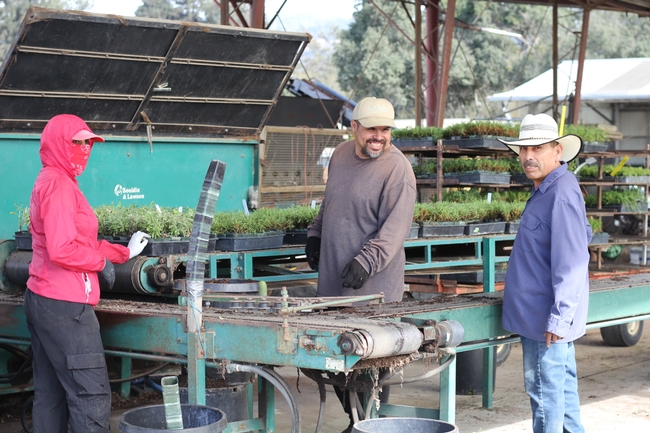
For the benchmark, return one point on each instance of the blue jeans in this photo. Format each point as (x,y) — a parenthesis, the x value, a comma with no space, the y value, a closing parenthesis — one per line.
(551,381)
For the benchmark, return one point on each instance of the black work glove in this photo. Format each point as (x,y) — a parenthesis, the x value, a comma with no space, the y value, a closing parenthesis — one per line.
(312,250)
(354,274)
(108,274)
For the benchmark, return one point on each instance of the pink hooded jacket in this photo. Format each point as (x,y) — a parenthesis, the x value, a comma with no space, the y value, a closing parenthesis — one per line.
(67,255)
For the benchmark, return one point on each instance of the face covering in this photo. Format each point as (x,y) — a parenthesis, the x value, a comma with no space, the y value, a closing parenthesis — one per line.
(80,155)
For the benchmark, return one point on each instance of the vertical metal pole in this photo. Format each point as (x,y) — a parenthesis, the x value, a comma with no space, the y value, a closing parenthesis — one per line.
(581,67)
(488,376)
(555,61)
(418,63)
(125,387)
(439,173)
(224,12)
(257,14)
(448,393)
(446,60)
(489,252)
(433,43)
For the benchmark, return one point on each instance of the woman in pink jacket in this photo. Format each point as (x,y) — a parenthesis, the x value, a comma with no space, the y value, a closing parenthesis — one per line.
(70,374)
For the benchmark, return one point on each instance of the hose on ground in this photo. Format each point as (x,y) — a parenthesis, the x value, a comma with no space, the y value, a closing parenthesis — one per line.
(277,381)
(321,409)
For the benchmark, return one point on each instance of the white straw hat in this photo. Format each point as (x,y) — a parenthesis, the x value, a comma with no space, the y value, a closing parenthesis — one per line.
(538,129)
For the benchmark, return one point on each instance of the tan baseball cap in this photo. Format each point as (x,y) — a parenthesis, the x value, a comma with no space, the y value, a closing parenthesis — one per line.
(372,112)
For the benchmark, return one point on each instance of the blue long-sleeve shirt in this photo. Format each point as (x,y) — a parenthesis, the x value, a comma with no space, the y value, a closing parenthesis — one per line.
(547,282)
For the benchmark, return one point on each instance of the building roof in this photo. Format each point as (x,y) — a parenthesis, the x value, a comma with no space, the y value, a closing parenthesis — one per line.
(611,80)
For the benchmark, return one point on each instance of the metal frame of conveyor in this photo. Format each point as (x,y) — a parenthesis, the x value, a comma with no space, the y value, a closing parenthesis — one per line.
(157,331)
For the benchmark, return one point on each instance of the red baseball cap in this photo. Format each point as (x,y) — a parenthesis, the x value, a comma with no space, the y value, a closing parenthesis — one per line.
(87,135)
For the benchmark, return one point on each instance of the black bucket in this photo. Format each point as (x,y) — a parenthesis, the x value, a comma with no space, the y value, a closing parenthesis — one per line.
(233,401)
(150,419)
(410,425)
(469,372)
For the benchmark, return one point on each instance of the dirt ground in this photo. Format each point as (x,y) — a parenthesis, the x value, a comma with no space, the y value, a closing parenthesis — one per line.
(614,389)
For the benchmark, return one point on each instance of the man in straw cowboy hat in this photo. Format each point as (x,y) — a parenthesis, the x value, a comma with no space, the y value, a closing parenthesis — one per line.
(547,283)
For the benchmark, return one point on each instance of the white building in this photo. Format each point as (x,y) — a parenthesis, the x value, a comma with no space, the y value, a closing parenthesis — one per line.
(614,92)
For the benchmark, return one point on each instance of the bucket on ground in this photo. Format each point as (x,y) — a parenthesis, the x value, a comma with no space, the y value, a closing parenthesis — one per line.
(411,425)
(469,372)
(151,419)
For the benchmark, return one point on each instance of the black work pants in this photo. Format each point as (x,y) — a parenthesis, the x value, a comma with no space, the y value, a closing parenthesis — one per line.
(70,374)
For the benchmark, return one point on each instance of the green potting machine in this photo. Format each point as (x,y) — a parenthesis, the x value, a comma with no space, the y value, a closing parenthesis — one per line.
(176,101)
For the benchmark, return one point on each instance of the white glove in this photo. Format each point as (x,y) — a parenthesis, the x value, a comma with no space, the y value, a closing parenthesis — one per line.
(137,243)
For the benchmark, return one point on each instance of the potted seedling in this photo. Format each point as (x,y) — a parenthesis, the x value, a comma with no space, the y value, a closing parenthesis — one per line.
(478,170)
(439,219)
(478,135)
(599,236)
(594,139)
(23,237)
(416,137)
(238,231)
(298,219)
(619,200)
(625,174)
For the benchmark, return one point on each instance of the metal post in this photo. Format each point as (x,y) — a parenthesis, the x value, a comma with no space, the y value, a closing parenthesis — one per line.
(431,92)
(224,12)
(418,63)
(581,67)
(489,252)
(488,376)
(446,59)
(555,57)
(257,14)
(448,393)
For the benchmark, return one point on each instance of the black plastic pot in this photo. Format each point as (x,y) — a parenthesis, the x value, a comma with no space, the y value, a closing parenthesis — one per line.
(23,240)
(296,237)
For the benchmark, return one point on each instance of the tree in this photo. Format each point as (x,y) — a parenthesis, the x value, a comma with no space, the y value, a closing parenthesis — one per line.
(12,13)
(375,59)
(482,63)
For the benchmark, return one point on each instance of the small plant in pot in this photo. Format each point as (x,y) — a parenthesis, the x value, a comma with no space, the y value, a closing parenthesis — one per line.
(23,237)
(298,220)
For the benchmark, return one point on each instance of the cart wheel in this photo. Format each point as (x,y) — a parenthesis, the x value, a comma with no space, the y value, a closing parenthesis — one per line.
(503,351)
(625,335)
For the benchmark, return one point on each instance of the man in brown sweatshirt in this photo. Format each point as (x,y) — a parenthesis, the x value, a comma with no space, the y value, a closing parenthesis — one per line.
(357,238)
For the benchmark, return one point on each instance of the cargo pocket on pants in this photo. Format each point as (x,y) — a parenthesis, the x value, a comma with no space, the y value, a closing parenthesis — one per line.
(93,391)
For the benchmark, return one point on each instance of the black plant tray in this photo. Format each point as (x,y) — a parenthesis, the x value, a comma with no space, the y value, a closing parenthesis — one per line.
(473,277)
(160,247)
(511,228)
(474,143)
(247,243)
(640,208)
(520,179)
(481,177)
(414,232)
(23,240)
(428,143)
(298,237)
(599,238)
(454,229)
(594,147)
(472,229)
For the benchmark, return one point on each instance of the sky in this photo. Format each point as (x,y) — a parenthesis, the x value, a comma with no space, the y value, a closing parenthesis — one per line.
(296,15)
